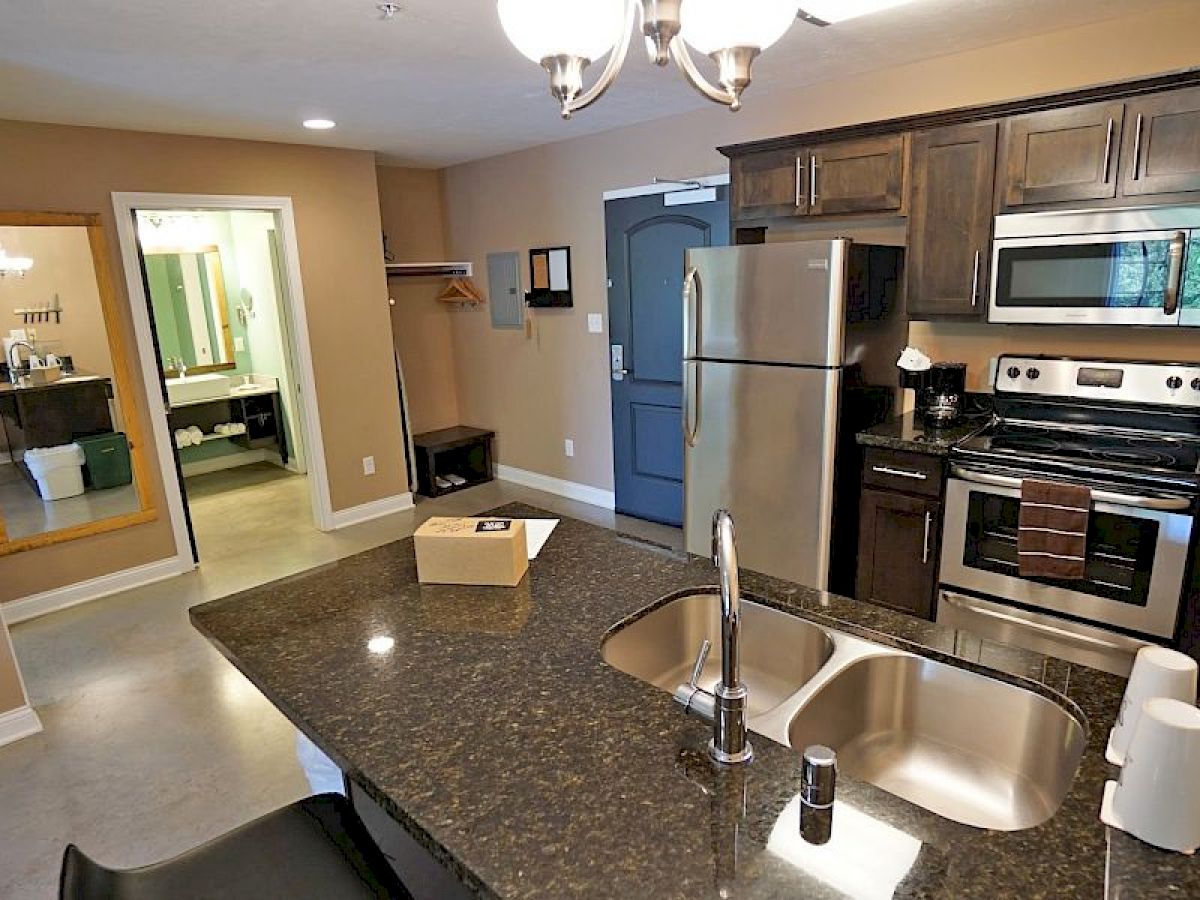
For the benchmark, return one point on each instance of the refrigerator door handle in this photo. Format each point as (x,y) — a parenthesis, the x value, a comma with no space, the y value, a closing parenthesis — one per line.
(691,323)
(691,401)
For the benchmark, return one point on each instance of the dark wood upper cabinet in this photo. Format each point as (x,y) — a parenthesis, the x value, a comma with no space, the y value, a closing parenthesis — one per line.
(1061,155)
(1162,144)
(897,551)
(859,176)
(766,185)
(950,220)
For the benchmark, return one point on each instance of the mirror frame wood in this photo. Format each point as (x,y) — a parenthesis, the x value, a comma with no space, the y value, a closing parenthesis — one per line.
(223,307)
(123,384)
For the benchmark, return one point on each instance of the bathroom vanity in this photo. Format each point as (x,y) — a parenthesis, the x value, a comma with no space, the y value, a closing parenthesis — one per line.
(49,415)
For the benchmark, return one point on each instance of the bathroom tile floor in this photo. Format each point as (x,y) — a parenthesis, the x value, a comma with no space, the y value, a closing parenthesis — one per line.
(154,743)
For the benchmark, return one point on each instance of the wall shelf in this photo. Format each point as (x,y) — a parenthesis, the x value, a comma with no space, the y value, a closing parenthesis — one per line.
(425,270)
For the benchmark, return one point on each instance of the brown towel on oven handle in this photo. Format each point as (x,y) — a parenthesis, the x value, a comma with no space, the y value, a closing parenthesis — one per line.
(1052,530)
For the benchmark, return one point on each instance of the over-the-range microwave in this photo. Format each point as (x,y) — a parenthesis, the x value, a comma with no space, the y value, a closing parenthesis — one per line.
(1097,267)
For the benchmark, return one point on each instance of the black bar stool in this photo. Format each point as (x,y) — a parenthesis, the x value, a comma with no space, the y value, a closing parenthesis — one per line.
(317,849)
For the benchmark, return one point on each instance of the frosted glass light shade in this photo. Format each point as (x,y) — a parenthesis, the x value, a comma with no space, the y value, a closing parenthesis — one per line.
(840,10)
(711,25)
(543,28)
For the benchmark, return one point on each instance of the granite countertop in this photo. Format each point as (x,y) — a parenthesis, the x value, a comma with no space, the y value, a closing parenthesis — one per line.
(909,432)
(495,734)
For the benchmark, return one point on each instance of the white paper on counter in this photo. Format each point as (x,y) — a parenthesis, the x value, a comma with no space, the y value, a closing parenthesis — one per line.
(537,532)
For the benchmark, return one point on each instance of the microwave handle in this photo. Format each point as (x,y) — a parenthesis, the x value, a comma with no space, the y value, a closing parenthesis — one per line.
(1174,274)
(1164,504)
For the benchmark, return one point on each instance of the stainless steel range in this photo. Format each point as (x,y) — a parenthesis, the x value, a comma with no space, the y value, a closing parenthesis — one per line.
(1128,431)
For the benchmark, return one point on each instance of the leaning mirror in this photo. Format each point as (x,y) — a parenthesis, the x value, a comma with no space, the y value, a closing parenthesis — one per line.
(191,311)
(72,458)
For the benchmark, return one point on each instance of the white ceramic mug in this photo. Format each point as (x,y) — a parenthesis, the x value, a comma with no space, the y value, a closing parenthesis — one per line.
(1157,672)
(1158,797)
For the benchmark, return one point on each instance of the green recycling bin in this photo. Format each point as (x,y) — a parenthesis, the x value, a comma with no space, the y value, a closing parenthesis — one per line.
(106,461)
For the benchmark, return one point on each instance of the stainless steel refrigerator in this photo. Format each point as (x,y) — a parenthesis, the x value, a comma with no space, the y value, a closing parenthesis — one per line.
(789,349)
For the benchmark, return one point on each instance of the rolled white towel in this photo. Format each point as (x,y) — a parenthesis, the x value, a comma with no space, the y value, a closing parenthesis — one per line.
(182,438)
(222,428)
(196,434)
(239,427)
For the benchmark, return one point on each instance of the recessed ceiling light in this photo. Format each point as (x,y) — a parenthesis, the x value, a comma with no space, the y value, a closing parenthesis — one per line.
(319,124)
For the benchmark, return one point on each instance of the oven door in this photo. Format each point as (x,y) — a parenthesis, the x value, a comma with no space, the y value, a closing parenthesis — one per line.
(1136,557)
(1122,278)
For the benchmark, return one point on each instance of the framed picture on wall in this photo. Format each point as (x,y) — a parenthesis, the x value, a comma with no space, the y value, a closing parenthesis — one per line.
(550,278)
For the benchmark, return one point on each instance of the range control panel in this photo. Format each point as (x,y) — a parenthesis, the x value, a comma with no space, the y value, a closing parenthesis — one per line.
(1157,384)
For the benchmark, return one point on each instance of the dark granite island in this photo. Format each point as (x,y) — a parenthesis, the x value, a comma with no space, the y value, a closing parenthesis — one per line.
(497,737)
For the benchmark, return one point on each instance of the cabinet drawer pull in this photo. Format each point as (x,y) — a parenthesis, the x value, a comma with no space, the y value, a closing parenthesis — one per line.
(925,548)
(900,473)
(1137,149)
(812,178)
(799,182)
(975,281)
(1107,150)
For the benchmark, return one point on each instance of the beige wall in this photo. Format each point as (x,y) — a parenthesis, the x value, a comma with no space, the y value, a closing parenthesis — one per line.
(411,205)
(12,694)
(537,391)
(335,193)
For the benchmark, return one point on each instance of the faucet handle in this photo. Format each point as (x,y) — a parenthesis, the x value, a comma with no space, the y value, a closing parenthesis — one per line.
(701,659)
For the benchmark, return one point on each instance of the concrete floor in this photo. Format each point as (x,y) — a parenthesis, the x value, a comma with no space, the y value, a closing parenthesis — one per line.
(26,513)
(154,743)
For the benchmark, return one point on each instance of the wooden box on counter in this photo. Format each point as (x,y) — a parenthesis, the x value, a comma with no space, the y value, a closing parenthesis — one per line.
(471,551)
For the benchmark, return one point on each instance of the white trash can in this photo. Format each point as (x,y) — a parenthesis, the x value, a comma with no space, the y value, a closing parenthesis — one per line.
(58,470)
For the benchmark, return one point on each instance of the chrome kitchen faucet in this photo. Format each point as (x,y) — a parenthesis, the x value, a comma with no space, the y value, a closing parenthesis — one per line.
(725,705)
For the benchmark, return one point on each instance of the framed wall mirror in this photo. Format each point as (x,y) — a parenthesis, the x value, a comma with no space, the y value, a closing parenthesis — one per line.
(73,453)
(191,310)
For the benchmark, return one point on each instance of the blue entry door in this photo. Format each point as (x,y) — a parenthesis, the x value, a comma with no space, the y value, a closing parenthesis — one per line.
(646,241)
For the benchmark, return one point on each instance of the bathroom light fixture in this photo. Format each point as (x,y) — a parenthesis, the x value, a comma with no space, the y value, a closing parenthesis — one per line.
(565,38)
(319,124)
(14,265)
(381,644)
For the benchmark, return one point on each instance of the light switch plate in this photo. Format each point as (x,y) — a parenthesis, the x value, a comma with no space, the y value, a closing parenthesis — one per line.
(595,323)
(569,447)
(239,345)
(368,465)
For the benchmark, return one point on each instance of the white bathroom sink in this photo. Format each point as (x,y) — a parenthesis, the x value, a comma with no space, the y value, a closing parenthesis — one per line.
(195,388)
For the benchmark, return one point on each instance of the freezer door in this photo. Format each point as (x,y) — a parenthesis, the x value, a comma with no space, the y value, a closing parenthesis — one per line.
(760,442)
(781,303)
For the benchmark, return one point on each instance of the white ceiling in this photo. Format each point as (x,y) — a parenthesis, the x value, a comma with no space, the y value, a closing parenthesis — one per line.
(437,85)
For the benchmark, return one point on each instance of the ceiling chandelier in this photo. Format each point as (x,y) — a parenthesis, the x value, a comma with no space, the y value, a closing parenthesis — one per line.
(564,38)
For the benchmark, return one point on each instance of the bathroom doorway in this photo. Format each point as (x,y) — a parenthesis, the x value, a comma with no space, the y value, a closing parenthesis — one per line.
(224,342)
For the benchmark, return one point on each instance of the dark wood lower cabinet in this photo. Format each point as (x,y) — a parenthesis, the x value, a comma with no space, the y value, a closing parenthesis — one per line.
(898,547)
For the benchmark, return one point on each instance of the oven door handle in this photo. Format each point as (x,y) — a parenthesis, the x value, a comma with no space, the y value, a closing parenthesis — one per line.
(1061,634)
(1164,504)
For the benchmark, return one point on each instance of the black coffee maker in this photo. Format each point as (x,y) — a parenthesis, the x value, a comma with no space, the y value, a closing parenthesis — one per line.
(940,390)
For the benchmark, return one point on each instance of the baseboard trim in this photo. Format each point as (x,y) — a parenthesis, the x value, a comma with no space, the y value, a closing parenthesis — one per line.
(376,509)
(93,589)
(21,722)
(572,490)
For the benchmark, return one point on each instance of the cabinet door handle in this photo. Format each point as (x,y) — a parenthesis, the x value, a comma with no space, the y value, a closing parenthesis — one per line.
(925,546)
(975,281)
(812,178)
(900,473)
(1137,149)
(1107,150)
(799,182)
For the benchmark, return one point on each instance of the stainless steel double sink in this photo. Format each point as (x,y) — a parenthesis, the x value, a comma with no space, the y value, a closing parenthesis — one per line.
(974,749)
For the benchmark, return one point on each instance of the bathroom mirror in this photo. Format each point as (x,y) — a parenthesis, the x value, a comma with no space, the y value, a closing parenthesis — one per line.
(72,449)
(191,310)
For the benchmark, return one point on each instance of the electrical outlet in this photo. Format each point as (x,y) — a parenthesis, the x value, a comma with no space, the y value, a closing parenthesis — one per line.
(569,447)
(368,465)
(239,345)
(595,323)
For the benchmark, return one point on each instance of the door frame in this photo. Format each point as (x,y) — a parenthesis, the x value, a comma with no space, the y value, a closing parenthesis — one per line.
(683,185)
(125,203)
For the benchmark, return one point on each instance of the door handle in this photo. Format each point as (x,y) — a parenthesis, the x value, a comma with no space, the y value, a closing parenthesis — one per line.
(1137,149)
(975,281)
(691,324)
(799,182)
(1107,150)
(617,362)
(1164,504)
(925,546)
(812,178)
(691,401)
(1174,274)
